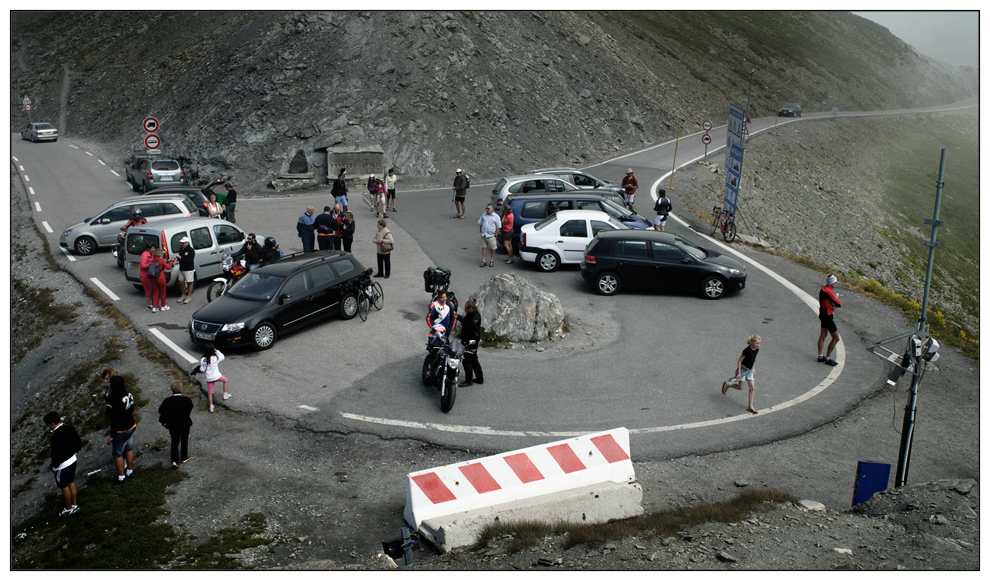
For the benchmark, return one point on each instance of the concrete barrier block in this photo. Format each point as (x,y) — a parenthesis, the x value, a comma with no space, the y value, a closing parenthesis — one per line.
(551,475)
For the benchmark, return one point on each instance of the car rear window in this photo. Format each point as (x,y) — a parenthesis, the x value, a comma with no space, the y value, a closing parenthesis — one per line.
(138,243)
(188,205)
(44,126)
(546,222)
(169,209)
(167,165)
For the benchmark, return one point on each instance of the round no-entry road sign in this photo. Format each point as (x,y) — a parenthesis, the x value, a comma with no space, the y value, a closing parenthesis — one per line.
(706,125)
(151,124)
(152,141)
(27,106)
(706,139)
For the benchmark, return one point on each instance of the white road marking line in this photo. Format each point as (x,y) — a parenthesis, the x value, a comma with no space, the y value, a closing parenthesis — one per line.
(37,206)
(67,254)
(479,430)
(174,347)
(113,172)
(97,471)
(89,154)
(73,147)
(47,227)
(101,162)
(15,159)
(31,190)
(104,288)
(21,167)
(309,408)
(27,178)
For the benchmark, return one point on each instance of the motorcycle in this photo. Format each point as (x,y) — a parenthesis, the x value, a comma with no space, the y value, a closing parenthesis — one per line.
(233,272)
(441,367)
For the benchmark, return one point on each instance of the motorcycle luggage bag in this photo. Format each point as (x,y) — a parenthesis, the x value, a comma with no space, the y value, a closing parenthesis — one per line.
(434,278)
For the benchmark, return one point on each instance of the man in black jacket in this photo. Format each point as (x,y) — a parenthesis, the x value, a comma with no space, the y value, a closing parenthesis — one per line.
(174,414)
(326,229)
(65,445)
(471,331)
(120,408)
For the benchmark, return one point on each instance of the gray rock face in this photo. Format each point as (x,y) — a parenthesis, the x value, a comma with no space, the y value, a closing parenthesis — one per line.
(514,308)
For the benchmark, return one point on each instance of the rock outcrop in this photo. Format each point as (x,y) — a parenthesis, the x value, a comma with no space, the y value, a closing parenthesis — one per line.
(514,308)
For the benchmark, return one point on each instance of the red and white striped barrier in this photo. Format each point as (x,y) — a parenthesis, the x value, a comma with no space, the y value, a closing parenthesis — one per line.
(548,469)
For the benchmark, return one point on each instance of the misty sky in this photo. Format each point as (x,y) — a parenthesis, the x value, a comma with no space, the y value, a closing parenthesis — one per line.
(952,37)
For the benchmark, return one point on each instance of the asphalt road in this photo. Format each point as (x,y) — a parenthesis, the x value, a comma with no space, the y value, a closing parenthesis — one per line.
(649,362)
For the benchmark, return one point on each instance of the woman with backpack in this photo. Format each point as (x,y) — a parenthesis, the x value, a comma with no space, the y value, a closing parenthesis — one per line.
(662,207)
(156,276)
(146,257)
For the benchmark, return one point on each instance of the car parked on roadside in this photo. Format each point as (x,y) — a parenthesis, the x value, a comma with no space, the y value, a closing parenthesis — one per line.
(584,181)
(562,237)
(790,110)
(40,132)
(209,237)
(652,260)
(531,208)
(149,173)
(528,184)
(281,297)
(199,196)
(101,231)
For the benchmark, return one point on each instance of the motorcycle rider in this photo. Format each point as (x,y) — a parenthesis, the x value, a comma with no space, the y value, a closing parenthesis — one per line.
(137,219)
(271,251)
(442,316)
(471,338)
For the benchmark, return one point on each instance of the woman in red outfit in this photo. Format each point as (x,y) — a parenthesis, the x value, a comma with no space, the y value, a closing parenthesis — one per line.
(158,283)
(146,257)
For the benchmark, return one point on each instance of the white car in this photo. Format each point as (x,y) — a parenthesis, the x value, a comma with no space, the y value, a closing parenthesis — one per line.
(561,238)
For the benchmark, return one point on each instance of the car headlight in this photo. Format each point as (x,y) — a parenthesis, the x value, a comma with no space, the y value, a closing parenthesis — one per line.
(736,272)
(232,327)
(67,232)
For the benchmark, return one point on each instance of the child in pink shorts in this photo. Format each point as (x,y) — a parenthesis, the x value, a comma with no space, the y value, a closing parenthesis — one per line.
(210,364)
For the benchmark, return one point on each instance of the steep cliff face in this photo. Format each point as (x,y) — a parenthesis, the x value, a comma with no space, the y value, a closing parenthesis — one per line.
(494,92)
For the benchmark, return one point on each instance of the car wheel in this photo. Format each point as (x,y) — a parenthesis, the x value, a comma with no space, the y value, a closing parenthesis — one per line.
(713,287)
(264,336)
(607,284)
(144,188)
(84,246)
(548,261)
(140,287)
(348,306)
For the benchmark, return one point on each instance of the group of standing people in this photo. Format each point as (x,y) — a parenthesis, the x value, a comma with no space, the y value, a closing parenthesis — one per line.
(331,230)
(382,192)
(226,209)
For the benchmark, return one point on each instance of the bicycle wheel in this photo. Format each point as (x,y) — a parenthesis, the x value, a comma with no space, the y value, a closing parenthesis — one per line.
(729,232)
(363,305)
(716,223)
(378,296)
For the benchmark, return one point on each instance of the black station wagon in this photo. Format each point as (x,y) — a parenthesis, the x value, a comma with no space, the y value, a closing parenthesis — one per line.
(281,297)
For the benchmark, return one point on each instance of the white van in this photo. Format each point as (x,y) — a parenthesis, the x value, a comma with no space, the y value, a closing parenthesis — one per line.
(209,237)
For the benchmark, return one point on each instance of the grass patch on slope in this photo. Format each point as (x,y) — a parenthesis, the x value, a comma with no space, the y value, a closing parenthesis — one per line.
(664,523)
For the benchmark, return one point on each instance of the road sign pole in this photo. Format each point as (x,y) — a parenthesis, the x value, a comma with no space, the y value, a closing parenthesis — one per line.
(674,168)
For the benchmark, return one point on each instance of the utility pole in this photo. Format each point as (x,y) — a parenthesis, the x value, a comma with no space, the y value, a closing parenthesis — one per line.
(921,348)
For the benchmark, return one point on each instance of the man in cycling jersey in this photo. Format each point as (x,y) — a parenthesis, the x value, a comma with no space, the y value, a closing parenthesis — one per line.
(441,315)
(828,301)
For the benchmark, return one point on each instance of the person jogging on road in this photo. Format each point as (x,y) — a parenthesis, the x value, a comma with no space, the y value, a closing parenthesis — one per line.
(828,301)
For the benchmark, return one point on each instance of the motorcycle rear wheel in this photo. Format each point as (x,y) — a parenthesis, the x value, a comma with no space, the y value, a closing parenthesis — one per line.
(215,291)
(427,376)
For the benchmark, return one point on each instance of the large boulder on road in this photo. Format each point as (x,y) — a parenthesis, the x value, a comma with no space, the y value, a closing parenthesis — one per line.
(514,308)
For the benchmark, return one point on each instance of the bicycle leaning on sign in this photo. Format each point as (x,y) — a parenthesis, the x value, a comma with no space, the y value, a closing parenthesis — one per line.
(725,220)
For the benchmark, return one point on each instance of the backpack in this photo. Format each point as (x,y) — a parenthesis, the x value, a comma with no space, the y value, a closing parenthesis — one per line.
(154,270)
(468,181)
(662,207)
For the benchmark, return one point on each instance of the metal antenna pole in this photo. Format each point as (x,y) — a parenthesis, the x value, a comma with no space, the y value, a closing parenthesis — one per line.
(911,409)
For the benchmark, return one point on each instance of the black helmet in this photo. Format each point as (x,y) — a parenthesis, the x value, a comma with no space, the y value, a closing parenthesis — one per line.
(136,213)
(270,243)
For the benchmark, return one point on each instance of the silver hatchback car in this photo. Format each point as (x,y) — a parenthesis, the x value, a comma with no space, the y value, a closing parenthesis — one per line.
(154,173)
(86,237)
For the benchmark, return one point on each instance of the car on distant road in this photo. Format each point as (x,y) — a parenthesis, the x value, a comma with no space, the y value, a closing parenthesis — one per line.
(790,110)
(652,260)
(101,231)
(584,180)
(562,237)
(149,173)
(40,132)
(281,297)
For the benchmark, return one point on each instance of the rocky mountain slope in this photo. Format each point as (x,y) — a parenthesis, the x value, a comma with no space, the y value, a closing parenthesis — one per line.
(496,92)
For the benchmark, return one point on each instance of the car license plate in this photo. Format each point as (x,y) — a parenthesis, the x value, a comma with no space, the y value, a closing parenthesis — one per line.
(205,336)
(135,265)
(166,178)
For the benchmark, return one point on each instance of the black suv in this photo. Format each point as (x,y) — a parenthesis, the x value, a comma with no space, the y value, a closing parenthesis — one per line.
(652,260)
(279,298)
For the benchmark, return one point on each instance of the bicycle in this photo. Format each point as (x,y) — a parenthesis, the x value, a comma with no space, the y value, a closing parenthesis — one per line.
(725,220)
(369,293)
